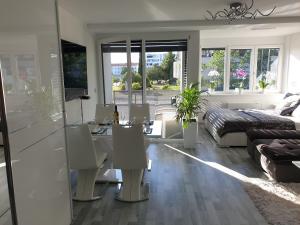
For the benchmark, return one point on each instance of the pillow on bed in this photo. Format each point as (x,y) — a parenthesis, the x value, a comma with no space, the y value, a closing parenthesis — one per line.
(289,94)
(288,111)
(296,112)
(288,102)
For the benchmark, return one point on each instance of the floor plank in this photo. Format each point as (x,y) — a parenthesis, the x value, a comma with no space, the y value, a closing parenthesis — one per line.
(201,186)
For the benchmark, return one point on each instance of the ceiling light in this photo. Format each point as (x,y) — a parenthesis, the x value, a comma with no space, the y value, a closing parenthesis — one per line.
(238,10)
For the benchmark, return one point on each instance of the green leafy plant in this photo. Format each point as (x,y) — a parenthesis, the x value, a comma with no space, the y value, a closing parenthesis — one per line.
(123,87)
(263,84)
(188,105)
(165,87)
(212,85)
(136,86)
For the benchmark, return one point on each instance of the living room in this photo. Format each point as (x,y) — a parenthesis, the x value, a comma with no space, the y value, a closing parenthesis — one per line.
(75,73)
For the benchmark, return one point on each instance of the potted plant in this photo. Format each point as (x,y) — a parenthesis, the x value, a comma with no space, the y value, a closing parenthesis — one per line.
(213,80)
(263,83)
(212,86)
(240,75)
(188,107)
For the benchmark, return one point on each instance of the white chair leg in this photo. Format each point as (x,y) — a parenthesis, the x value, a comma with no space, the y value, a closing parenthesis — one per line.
(131,189)
(86,185)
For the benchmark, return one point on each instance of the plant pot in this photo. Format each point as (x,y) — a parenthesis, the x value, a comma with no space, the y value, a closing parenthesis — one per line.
(211,91)
(190,135)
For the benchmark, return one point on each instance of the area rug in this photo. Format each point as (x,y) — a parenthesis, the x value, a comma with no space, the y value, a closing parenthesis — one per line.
(279,203)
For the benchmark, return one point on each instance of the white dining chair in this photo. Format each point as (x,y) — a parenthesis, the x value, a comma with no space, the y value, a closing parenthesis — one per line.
(139,112)
(104,112)
(86,156)
(131,158)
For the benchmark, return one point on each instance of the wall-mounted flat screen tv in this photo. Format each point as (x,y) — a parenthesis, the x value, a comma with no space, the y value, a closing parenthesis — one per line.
(75,70)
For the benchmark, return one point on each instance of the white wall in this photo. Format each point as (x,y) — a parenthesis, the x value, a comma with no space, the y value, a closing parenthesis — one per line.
(74,30)
(293,70)
(240,41)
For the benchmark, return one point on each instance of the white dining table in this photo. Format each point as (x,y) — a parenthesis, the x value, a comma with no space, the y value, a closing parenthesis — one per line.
(103,133)
(106,130)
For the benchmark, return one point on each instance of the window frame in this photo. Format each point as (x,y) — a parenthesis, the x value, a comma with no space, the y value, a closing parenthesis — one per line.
(253,67)
(279,68)
(225,65)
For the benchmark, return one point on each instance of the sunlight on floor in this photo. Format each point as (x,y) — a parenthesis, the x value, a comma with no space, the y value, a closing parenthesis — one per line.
(266,185)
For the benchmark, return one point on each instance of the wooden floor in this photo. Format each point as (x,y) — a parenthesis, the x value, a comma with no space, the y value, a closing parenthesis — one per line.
(187,187)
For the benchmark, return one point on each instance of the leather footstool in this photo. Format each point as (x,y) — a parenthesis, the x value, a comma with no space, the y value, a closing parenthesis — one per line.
(276,157)
(254,134)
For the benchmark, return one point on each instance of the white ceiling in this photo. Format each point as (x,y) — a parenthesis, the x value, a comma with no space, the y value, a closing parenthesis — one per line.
(256,30)
(123,11)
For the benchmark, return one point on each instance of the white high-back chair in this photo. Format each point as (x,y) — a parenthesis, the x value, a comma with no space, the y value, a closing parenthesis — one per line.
(139,112)
(104,112)
(86,157)
(130,157)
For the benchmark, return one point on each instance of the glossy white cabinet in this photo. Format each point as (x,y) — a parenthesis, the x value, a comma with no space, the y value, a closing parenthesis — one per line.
(40,180)
(29,57)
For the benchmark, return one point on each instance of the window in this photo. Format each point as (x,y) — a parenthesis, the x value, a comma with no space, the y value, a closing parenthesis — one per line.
(213,64)
(267,67)
(249,68)
(240,68)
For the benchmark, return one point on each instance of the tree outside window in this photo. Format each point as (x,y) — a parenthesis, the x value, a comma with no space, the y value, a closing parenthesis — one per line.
(240,60)
(267,67)
(213,62)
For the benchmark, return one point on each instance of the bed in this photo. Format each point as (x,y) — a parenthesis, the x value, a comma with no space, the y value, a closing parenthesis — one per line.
(228,126)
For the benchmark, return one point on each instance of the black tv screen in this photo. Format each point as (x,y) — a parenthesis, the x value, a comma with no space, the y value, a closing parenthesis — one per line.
(75,70)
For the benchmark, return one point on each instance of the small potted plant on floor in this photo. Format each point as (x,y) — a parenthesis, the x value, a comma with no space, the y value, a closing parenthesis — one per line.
(188,107)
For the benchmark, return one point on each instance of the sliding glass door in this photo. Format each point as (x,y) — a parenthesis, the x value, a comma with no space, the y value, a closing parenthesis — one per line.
(142,71)
(117,77)
(165,69)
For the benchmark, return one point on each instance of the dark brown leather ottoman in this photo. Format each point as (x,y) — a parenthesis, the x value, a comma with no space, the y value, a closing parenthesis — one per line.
(277,158)
(254,134)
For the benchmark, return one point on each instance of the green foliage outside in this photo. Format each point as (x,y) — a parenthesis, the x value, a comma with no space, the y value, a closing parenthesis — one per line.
(239,59)
(136,86)
(215,63)
(122,87)
(167,65)
(165,87)
(155,73)
(115,79)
